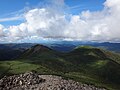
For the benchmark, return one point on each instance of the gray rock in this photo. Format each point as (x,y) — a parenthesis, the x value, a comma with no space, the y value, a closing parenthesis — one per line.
(33,81)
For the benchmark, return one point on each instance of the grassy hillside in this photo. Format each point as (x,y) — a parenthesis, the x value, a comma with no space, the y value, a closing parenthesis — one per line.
(84,64)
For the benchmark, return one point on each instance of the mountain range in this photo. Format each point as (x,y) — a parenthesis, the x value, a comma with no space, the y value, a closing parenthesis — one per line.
(85,64)
(12,50)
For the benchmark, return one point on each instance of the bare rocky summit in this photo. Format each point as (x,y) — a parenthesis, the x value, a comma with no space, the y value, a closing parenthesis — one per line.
(33,81)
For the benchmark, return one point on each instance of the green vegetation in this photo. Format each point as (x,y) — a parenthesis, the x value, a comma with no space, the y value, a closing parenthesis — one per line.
(84,47)
(84,64)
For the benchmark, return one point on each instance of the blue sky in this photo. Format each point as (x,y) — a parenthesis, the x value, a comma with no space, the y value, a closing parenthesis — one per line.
(92,5)
(10,8)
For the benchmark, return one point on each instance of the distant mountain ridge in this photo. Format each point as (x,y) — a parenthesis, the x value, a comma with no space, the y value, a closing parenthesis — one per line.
(37,49)
(7,50)
(13,50)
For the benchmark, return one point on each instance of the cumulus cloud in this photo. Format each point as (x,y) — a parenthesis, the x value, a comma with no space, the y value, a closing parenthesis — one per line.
(1,30)
(54,23)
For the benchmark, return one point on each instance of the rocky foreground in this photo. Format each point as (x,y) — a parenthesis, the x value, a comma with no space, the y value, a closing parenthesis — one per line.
(33,81)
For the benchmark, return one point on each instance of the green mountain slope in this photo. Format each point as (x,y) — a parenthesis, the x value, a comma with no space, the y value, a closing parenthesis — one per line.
(84,64)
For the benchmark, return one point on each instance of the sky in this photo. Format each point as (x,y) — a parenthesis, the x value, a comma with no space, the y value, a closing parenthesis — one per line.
(39,20)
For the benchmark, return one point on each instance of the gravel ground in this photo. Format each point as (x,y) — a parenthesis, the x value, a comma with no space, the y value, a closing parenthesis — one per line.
(32,81)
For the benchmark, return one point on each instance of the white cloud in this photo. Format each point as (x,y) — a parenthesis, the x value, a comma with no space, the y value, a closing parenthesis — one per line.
(50,23)
(1,30)
(10,19)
